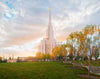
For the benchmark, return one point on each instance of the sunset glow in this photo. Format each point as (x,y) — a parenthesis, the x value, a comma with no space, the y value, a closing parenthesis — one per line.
(23,23)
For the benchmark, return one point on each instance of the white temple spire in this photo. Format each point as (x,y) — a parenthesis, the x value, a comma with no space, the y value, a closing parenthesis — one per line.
(48,43)
(50,30)
(50,15)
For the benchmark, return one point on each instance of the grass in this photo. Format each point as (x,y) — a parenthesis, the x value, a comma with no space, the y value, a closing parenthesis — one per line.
(38,70)
(93,63)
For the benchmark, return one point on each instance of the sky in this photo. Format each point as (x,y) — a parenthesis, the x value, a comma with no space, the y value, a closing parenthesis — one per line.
(23,23)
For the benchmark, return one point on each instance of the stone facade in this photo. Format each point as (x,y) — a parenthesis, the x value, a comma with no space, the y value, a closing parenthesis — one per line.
(48,43)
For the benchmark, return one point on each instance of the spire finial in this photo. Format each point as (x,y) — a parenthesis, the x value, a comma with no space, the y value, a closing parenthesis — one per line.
(49,8)
(50,16)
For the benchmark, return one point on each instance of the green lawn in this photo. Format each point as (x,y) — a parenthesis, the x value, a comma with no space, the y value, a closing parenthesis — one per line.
(38,70)
(93,63)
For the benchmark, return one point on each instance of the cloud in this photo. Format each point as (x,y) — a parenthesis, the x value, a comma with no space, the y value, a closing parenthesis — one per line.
(27,49)
(25,21)
(74,15)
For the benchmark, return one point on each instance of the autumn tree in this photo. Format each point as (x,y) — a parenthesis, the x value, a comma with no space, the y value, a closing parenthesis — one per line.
(47,55)
(39,55)
(89,30)
(55,53)
(0,59)
(96,53)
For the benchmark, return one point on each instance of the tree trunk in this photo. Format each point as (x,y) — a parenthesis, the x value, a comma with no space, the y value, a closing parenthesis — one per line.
(89,66)
(54,59)
(73,58)
(65,59)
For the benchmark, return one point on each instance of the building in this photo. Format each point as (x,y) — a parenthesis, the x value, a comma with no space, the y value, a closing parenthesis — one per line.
(48,43)
(26,59)
(11,61)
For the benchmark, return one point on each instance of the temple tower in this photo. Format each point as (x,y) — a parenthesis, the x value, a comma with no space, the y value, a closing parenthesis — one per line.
(47,44)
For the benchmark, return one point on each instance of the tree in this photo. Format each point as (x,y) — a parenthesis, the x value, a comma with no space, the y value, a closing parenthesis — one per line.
(82,42)
(96,53)
(39,55)
(43,56)
(82,49)
(74,43)
(59,51)
(0,59)
(89,31)
(70,56)
(54,53)
(47,56)
(18,60)
(10,58)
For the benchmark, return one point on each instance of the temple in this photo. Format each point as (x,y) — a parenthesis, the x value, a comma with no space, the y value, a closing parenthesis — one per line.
(48,43)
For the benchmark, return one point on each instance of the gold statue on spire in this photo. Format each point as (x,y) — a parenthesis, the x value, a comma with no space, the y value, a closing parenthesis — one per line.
(49,8)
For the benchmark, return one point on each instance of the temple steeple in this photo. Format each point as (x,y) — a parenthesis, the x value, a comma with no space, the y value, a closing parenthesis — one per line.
(49,15)
(48,43)
(50,30)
